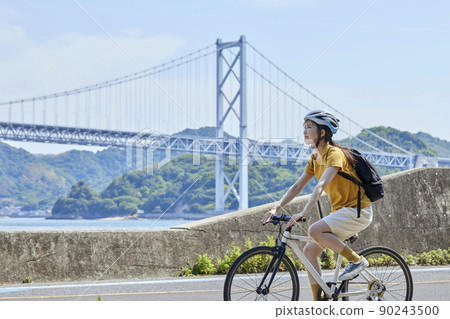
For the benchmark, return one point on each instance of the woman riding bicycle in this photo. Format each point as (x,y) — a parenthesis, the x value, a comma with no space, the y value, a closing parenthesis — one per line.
(329,232)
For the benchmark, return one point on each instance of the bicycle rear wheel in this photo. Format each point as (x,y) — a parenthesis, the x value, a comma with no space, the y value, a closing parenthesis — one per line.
(247,272)
(394,280)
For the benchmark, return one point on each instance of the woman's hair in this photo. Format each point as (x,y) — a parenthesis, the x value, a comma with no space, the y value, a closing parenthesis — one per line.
(328,139)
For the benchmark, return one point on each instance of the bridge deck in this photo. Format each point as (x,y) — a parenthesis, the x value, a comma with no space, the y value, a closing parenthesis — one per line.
(147,139)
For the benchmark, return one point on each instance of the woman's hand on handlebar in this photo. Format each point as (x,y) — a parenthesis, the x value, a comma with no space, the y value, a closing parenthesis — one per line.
(268,216)
(295,218)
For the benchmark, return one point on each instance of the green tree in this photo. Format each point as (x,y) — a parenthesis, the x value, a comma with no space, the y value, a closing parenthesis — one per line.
(127,205)
(99,208)
(81,190)
(70,208)
(150,205)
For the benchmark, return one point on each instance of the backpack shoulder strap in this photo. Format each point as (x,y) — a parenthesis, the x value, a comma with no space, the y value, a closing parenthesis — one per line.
(326,156)
(355,181)
(312,160)
(350,178)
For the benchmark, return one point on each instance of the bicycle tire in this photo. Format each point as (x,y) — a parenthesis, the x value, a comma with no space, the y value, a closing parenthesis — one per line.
(393,272)
(247,271)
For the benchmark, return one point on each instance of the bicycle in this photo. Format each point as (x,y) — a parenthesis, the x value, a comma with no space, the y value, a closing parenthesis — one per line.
(267,273)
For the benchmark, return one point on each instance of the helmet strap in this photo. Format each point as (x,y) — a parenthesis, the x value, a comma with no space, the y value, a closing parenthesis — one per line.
(319,129)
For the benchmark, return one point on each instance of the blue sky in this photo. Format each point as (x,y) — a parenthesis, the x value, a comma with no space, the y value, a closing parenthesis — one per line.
(390,69)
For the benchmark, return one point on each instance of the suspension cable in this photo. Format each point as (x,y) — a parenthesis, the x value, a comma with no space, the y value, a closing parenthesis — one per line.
(325,103)
(304,106)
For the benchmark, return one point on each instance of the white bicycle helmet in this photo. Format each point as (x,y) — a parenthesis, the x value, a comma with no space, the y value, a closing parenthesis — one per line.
(322,117)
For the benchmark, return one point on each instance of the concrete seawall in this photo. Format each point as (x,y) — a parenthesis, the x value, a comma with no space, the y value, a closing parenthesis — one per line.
(413,217)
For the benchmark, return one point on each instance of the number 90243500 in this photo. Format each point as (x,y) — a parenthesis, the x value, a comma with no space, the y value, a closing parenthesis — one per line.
(409,310)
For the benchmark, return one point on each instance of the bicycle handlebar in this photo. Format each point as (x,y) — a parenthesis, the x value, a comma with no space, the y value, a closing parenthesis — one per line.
(284,218)
(278,219)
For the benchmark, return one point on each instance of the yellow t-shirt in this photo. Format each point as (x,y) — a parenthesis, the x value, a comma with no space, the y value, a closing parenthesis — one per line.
(342,192)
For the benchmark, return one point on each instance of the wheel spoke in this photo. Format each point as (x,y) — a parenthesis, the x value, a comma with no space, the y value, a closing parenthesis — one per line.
(244,289)
(277,293)
(282,283)
(252,283)
(278,277)
(245,295)
(401,275)
(389,293)
(393,272)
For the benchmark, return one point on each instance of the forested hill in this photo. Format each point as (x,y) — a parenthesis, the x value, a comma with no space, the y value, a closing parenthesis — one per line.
(441,147)
(38,181)
(96,169)
(35,182)
(27,180)
(414,143)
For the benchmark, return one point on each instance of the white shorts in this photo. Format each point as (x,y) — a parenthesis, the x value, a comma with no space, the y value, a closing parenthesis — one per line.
(344,222)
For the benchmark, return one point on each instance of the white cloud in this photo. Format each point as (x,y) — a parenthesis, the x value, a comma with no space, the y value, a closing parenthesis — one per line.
(8,12)
(10,33)
(73,60)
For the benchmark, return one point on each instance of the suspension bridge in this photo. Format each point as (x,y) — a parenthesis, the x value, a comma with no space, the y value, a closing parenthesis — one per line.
(231,86)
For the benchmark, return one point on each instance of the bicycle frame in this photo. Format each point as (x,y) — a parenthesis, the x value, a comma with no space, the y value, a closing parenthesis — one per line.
(287,237)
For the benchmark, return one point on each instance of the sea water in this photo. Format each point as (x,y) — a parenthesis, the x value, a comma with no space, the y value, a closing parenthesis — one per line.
(7,224)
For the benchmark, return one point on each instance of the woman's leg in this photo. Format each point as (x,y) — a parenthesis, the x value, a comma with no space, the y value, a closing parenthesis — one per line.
(321,233)
(312,251)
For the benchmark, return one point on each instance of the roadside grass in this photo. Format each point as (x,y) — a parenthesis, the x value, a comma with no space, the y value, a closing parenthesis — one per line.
(208,265)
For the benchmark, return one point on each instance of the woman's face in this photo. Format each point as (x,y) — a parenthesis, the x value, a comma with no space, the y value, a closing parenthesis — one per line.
(310,132)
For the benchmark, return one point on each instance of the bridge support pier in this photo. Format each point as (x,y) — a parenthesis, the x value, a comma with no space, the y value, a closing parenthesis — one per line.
(224,76)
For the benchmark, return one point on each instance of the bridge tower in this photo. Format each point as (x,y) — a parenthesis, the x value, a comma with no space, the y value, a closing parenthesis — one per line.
(227,106)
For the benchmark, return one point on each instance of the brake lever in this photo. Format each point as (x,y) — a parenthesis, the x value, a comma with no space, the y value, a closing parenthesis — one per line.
(301,219)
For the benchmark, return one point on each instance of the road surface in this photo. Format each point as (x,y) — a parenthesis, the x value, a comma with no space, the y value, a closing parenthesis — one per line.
(430,284)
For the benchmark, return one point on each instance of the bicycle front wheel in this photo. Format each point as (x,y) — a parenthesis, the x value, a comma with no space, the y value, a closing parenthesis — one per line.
(244,281)
(392,282)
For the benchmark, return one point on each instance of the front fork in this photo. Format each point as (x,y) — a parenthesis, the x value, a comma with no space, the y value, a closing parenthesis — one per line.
(280,250)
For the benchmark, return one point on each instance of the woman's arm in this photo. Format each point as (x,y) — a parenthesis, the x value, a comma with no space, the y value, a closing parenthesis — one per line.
(327,177)
(293,191)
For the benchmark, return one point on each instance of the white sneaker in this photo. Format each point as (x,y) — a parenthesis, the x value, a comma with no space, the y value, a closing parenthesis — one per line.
(353,269)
